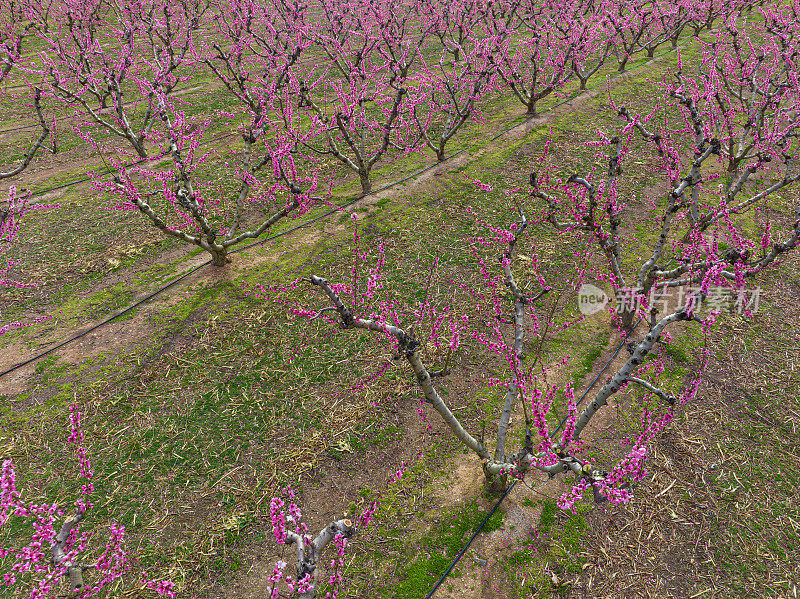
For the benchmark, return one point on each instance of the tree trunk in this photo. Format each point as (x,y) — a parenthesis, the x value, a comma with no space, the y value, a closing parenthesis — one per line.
(628,319)
(219,256)
(139,147)
(496,484)
(366,184)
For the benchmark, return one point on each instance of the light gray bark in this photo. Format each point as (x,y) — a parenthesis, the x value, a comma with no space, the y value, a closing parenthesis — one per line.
(37,143)
(74,571)
(309,551)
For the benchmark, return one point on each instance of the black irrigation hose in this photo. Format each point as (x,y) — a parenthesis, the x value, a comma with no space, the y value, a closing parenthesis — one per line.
(226,135)
(282,233)
(555,430)
(109,110)
(602,370)
(106,321)
(472,538)
(207,262)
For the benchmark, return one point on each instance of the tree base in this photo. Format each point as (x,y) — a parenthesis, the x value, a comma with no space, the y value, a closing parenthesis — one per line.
(496,484)
(221,260)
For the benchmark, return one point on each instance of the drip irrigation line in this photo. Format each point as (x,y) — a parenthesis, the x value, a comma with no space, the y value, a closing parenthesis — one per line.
(207,262)
(107,320)
(102,111)
(552,434)
(472,538)
(599,374)
(287,231)
(41,192)
(110,109)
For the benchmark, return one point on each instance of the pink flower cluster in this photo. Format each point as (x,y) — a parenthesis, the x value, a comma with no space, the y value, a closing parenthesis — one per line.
(33,565)
(283,515)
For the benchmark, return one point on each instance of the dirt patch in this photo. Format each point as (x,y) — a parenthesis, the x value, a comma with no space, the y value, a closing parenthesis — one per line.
(465,480)
(112,339)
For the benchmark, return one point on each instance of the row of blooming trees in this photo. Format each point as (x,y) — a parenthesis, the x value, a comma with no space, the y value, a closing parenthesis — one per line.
(310,89)
(354,83)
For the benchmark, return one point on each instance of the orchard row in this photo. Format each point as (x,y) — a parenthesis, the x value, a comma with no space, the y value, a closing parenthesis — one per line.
(352,85)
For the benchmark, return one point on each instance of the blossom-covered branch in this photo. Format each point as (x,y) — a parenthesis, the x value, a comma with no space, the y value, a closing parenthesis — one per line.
(66,543)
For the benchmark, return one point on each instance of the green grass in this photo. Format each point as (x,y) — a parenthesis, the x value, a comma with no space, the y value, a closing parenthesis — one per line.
(438,548)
